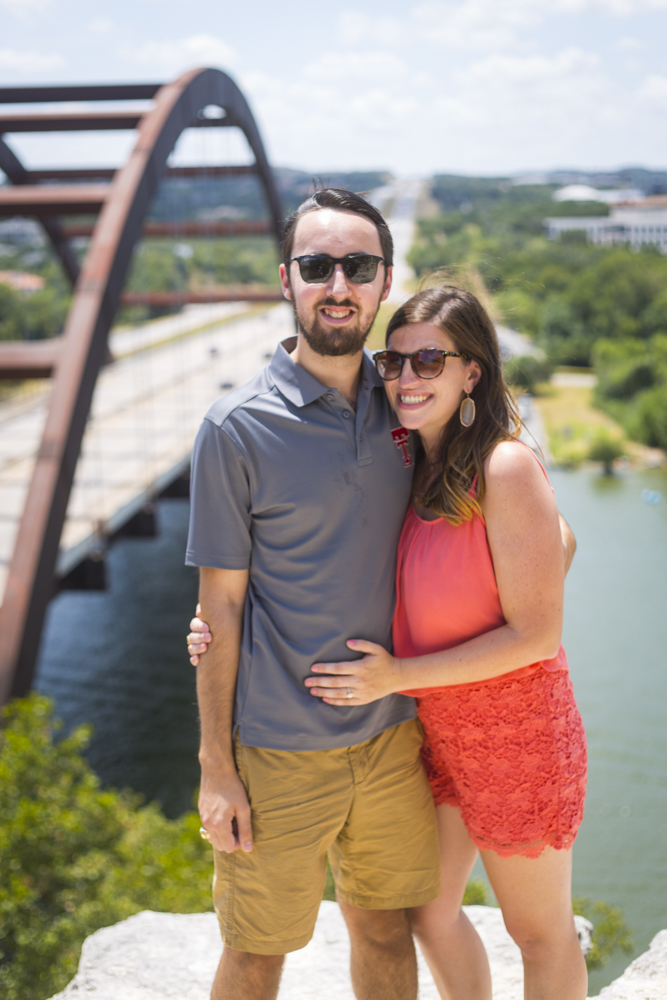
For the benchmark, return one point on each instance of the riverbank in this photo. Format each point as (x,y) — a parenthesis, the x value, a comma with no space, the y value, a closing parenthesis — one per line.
(572,424)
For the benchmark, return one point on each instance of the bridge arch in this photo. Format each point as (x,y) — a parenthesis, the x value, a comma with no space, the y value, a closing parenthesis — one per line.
(74,359)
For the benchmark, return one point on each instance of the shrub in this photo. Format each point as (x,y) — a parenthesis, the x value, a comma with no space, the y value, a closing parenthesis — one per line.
(76,857)
(651,416)
(477,893)
(632,386)
(605,448)
(610,931)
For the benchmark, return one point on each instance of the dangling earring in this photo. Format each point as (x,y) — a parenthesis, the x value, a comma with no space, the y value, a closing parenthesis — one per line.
(467,411)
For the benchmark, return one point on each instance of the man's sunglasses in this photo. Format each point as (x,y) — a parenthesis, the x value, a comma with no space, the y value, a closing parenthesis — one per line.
(357,267)
(427,363)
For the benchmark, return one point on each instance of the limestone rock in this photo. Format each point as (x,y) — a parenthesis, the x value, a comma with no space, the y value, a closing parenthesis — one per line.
(159,956)
(645,978)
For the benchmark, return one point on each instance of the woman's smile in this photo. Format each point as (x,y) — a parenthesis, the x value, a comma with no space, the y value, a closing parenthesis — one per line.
(410,399)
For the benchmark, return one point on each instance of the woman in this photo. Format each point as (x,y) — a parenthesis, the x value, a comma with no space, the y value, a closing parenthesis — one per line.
(477,640)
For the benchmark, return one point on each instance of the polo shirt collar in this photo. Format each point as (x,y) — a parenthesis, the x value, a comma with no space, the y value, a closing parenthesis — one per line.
(298,385)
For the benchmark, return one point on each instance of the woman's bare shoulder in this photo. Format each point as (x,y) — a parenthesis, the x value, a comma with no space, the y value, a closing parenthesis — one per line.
(511,463)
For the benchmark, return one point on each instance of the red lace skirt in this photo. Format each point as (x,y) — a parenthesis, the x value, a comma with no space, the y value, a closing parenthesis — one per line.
(510,753)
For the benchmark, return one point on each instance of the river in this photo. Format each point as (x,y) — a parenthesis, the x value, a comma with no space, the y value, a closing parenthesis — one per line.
(116,659)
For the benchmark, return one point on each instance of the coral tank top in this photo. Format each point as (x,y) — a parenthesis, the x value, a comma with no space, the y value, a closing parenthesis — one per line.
(446,590)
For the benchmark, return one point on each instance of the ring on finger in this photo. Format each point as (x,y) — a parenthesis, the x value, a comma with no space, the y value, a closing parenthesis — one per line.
(350,693)
(203,833)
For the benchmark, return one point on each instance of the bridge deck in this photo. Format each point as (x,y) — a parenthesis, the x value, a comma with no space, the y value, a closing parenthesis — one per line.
(145,413)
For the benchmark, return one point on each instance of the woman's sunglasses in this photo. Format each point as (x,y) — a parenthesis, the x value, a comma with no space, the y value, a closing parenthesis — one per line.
(357,267)
(427,363)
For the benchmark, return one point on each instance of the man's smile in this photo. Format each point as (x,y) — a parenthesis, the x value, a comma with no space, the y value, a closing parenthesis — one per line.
(337,314)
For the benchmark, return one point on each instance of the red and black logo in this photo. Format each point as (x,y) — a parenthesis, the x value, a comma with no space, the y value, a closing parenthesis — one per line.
(400,437)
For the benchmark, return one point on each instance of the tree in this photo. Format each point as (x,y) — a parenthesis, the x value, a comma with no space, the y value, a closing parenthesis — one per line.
(605,448)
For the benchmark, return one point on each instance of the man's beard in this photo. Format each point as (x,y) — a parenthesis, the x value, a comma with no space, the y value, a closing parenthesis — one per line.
(334,342)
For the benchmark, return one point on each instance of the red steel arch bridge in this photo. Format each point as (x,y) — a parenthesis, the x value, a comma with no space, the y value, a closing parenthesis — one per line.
(35,557)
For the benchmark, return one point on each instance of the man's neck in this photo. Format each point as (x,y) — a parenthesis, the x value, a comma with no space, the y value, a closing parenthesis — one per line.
(342,373)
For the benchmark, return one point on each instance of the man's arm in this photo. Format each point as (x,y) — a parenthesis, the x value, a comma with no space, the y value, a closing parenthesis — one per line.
(569,542)
(223,804)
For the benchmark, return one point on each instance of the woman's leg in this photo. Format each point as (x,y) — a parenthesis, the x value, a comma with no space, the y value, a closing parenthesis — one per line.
(534,895)
(450,944)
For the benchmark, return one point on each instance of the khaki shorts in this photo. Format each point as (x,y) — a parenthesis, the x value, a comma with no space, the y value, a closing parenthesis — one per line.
(368,806)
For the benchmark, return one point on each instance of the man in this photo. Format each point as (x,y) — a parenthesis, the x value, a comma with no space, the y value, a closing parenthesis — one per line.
(298,496)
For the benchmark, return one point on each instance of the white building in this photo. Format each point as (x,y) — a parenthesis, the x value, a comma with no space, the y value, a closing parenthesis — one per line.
(583,192)
(636,227)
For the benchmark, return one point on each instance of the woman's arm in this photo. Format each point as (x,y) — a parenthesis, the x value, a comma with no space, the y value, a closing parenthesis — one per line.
(524,535)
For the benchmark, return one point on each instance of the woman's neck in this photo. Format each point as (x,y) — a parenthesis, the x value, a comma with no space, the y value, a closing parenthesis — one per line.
(431,445)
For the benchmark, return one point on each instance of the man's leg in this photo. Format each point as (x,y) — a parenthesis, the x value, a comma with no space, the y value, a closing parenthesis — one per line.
(243,976)
(386,859)
(383,961)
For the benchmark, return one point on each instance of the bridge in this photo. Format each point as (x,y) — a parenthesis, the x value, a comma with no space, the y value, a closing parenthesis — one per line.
(83,459)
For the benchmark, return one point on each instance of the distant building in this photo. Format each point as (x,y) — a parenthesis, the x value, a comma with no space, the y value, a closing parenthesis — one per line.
(584,192)
(22,281)
(636,227)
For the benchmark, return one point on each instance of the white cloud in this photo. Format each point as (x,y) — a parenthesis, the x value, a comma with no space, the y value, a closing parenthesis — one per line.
(198,50)
(543,96)
(570,65)
(654,90)
(23,7)
(372,66)
(27,63)
(478,25)
(527,11)
(629,44)
(355,27)
(101,25)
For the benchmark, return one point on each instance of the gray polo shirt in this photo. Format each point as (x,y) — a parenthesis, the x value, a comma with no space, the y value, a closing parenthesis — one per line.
(288,481)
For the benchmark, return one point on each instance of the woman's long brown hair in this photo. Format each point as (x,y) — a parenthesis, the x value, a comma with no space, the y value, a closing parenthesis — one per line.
(458,313)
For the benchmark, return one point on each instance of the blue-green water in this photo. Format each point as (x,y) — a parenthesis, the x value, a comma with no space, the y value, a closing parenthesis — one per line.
(117,660)
(616,640)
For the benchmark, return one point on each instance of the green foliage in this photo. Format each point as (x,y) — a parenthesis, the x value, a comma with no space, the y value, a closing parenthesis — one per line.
(76,857)
(37,315)
(9,312)
(528,372)
(610,931)
(606,448)
(477,893)
(570,444)
(632,385)
(329,886)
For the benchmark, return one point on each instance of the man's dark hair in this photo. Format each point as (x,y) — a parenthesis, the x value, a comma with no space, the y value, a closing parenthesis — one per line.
(341,201)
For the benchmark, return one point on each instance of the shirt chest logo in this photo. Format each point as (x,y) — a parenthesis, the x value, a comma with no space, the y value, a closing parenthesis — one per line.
(400,436)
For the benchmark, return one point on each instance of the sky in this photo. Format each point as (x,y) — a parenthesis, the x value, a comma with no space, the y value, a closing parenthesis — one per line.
(485,87)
